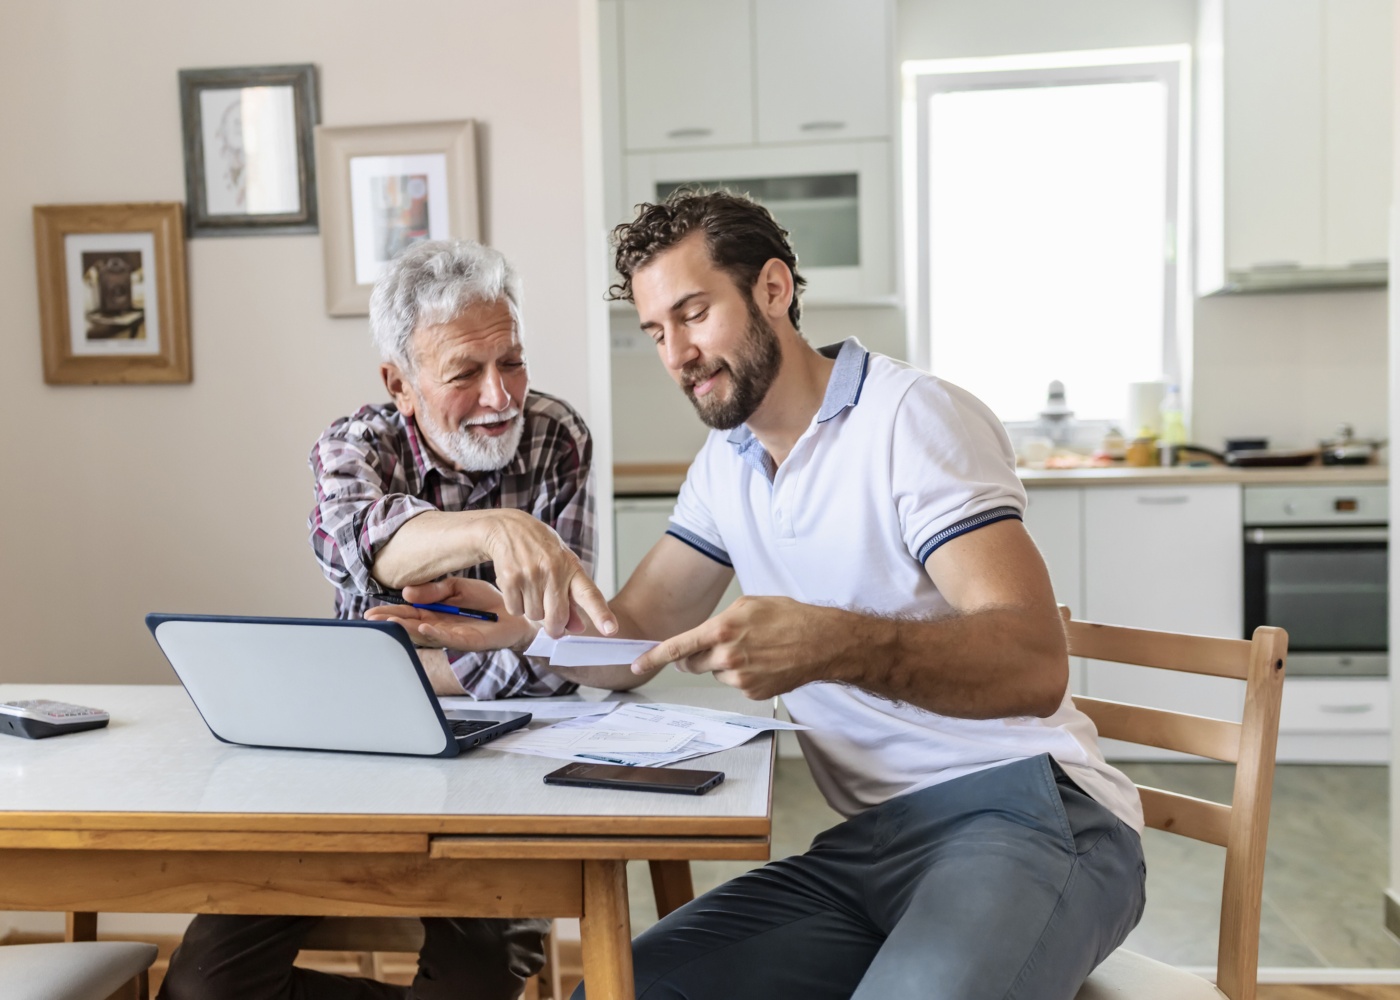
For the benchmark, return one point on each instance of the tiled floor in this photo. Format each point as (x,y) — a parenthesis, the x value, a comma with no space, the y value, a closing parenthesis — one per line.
(1323,884)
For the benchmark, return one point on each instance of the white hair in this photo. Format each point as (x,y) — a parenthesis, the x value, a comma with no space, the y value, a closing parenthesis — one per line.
(434,282)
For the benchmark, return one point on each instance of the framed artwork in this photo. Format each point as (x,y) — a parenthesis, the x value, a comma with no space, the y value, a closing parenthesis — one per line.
(112,298)
(384,188)
(249,157)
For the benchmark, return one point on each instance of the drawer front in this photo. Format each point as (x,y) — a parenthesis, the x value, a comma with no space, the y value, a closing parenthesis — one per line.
(1335,706)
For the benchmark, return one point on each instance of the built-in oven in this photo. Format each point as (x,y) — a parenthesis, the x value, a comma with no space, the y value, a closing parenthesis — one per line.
(1315,563)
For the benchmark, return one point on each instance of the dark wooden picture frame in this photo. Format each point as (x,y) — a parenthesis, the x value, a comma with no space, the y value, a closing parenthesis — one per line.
(125,339)
(205,219)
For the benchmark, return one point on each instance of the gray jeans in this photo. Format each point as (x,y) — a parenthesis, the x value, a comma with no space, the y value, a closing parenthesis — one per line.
(1007,884)
(250,958)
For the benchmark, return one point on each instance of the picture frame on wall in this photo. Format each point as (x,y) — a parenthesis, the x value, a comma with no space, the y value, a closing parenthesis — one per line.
(113,304)
(250,165)
(384,188)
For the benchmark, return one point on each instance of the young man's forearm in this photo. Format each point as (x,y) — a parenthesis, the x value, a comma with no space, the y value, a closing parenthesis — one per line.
(992,663)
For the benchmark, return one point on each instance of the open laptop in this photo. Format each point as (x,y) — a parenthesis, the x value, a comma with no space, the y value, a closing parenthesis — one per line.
(317,684)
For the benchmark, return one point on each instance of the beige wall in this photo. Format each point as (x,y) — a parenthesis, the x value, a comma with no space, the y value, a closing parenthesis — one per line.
(123,500)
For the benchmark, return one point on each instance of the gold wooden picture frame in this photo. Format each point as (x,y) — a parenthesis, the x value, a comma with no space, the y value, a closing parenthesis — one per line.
(385,187)
(113,299)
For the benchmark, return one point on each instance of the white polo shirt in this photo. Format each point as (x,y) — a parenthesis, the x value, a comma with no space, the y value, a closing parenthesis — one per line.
(895,463)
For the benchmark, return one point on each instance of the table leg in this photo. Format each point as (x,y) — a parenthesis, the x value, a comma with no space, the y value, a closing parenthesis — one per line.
(671,884)
(80,927)
(606,929)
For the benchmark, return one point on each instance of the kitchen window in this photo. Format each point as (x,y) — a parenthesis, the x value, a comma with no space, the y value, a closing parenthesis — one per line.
(1048,225)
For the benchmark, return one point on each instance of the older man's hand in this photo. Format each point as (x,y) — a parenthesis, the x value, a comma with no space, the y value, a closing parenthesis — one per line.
(433,628)
(540,578)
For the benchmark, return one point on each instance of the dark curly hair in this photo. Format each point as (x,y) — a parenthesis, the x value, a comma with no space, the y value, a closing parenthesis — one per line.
(740,234)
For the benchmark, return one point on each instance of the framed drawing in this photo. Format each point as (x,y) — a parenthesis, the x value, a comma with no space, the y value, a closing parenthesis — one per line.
(384,188)
(249,167)
(112,299)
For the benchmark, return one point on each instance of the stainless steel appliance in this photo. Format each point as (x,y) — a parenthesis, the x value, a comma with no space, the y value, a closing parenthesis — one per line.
(1315,563)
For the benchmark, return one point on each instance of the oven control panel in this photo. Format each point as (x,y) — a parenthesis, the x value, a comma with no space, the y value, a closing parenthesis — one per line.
(1317,504)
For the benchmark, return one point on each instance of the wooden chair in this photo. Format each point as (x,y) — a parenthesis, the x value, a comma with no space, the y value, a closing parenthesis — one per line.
(1241,827)
(84,970)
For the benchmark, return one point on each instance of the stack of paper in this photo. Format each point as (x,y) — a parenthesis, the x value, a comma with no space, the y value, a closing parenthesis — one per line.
(643,734)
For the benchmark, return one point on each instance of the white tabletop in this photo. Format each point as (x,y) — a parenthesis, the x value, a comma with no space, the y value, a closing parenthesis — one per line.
(157,756)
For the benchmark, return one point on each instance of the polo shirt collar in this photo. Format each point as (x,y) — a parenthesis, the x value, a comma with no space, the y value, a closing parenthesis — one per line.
(847,377)
(842,392)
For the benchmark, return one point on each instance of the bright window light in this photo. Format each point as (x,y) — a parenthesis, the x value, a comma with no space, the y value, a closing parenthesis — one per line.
(1047,245)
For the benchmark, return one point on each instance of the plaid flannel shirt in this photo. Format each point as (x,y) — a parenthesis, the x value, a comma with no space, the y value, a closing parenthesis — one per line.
(374,473)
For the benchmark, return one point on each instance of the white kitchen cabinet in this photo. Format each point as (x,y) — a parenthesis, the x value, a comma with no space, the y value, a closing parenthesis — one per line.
(1170,558)
(1055,520)
(687,70)
(1335,720)
(1294,126)
(835,199)
(823,70)
(700,73)
(1357,101)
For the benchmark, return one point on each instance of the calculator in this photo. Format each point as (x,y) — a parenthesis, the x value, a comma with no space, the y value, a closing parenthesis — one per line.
(38,718)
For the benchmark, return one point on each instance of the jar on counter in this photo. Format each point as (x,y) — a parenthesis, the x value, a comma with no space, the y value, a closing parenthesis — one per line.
(1142,452)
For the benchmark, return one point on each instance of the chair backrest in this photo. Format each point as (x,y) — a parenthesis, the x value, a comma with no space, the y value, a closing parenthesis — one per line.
(1242,826)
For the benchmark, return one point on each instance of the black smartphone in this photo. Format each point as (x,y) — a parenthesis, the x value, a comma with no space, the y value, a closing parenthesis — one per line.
(641,779)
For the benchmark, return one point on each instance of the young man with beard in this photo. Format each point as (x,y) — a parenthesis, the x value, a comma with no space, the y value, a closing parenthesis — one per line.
(901,610)
(466,472)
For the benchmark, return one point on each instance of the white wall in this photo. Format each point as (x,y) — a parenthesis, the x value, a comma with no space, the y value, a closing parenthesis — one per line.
(124,500)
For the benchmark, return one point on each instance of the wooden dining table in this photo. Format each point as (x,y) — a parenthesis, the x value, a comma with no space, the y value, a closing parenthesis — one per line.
(154,815)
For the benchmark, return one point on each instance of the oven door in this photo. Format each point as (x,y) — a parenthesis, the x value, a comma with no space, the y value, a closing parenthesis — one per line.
(1327,587)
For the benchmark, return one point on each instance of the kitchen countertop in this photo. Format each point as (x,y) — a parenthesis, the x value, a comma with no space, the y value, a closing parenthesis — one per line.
(664,479)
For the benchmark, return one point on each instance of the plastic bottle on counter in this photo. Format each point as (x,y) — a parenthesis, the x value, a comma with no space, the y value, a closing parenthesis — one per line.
(1173,426)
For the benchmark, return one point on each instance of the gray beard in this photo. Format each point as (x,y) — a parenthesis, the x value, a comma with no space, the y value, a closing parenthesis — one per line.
(472,452)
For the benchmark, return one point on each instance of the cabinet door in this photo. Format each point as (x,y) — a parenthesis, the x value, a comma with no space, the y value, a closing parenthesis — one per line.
(1167,558)
(1357,58)
(1055,520)
(823,69)
(1273,133)
(687,72)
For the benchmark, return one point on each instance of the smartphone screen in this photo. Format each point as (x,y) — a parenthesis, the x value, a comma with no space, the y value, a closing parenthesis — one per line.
(656,779)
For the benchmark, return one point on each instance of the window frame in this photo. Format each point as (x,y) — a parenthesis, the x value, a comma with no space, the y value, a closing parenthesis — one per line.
(1168,65)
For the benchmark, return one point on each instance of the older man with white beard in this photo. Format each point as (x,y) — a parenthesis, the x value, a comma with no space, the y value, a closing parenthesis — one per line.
(466,472)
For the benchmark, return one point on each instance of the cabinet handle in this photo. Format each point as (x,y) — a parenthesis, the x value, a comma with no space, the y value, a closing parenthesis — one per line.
(822,126)
(689,133)
(1345,709)
(1163,501)
(1369,262)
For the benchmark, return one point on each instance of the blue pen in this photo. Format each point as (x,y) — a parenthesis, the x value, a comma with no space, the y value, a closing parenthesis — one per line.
(447,609)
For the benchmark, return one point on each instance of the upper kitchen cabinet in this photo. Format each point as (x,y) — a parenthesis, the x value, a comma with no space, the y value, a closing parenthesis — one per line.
(1293,116)
(823,70)
(687,70)
(700,73)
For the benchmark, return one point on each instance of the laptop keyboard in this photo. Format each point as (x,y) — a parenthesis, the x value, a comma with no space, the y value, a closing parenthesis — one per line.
(463,727)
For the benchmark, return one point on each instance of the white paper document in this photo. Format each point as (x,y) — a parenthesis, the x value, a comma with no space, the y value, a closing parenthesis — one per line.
(551,709)
(588,650)
(704,731)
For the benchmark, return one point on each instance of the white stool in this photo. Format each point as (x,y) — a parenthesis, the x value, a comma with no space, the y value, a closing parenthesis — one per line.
(82,970)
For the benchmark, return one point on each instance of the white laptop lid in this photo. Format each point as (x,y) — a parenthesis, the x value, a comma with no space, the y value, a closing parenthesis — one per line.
(311,684)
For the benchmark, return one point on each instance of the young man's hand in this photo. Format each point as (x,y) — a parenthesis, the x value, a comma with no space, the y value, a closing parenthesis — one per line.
(433,628)
(764,646)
